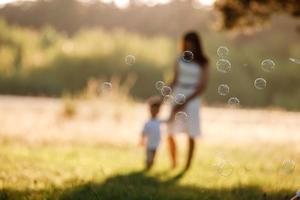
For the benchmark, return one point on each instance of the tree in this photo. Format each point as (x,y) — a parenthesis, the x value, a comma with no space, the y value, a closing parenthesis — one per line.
(250,13)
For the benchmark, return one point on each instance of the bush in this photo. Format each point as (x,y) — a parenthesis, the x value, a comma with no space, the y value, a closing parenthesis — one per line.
(49,63)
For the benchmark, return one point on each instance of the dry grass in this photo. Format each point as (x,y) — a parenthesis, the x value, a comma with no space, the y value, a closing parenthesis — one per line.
(107,120)
(43,152)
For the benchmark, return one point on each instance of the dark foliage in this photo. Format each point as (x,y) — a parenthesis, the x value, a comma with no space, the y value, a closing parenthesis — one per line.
(249,13)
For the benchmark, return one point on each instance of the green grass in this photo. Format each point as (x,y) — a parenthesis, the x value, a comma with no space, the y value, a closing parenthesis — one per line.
(111,172)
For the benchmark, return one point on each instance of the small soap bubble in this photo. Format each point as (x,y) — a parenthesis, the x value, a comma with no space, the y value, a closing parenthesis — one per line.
(181,117)
(179,99)
(223,89)
(187,56)
(294,60)
(129,59)
(106,87)
(223,168)
(268,65)
(260,83)
(168,99)
(166,90)
(159,85)
(222,51)
(288,166)
(233,101)
(223,65)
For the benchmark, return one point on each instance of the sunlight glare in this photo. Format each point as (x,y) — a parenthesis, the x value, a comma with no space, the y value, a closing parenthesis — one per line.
(207,2)
(125,3)
(6,1)
(121,3)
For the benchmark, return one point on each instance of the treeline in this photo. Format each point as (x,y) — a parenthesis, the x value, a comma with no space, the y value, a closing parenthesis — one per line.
(69,16)
(47,62)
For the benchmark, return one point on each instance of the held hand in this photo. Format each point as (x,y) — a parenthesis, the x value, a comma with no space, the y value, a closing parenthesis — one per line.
(176,109)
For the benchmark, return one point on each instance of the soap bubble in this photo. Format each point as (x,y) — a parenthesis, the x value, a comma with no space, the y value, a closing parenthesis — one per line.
(159,85)
(268,65)
(223,65)
(297,61)
(168,99)
(233,101)
(129,59)
(222,51)
(181,117)
(223,89)
(288,166)
(187,56)
(180,99)
(106,87)
(166,90)
(260,83)
(223,168)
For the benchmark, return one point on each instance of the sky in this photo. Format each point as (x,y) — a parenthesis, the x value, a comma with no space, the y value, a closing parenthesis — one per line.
(5,1)
(124,3)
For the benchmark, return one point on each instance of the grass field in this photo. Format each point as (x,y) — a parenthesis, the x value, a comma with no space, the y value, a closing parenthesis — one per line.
(46,153)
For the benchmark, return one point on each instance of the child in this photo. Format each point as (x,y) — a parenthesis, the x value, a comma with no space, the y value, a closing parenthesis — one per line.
(297,197)
(151,131)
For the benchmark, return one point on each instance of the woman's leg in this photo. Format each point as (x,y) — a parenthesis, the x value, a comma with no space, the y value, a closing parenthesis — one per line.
(173,150)
(190,152)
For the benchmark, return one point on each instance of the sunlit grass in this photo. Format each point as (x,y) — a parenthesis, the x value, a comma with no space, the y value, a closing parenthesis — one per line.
(94,154)
(54,172)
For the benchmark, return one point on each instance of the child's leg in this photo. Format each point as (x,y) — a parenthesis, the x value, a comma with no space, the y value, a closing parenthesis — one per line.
(150,158)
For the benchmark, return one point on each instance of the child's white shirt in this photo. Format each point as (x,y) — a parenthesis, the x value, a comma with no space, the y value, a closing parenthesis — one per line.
(152,131)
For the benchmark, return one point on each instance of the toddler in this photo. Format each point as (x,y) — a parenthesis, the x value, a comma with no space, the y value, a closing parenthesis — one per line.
(151,131)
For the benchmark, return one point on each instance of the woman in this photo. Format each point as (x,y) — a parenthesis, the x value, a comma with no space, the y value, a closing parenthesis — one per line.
(190,79)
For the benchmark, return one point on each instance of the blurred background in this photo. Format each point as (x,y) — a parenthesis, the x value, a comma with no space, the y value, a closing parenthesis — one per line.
(55,47)
(75,76)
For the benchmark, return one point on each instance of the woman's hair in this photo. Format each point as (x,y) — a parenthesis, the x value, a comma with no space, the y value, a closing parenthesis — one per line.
(196,48)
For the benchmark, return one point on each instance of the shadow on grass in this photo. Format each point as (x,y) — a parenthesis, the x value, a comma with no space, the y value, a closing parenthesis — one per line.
(139,186)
